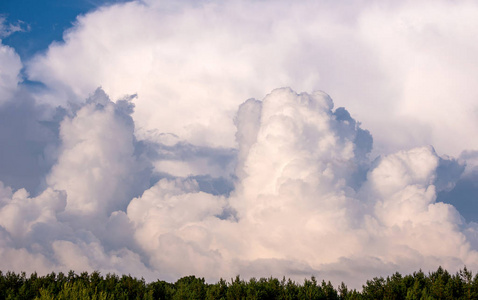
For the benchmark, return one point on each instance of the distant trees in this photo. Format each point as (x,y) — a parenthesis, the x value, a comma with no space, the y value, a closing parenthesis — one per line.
(435,285)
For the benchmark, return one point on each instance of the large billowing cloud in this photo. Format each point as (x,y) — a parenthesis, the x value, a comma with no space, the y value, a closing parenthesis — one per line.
(186,176)
(303,203)
(397,66)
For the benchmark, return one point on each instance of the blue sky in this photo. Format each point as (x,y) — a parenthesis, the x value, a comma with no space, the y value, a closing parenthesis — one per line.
(261,138)
(43,21)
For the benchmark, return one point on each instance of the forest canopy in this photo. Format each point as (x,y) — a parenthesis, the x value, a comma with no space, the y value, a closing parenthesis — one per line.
(439,284)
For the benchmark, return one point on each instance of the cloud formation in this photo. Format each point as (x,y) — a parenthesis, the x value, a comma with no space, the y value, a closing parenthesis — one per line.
(96,158)
(7,29)
(9,74)
(399,67)
(185,176)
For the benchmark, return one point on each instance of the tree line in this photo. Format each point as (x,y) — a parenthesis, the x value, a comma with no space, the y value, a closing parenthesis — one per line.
(439,284)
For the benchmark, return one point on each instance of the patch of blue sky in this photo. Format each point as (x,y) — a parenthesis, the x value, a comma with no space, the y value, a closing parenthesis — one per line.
(42,22)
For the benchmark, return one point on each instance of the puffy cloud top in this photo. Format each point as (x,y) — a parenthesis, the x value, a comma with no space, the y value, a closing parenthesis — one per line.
(399,67)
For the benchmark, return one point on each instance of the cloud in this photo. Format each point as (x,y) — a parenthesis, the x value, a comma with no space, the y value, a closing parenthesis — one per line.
(399,67)
(296,210)
(62,228)
(21,214)
(306,200)
(97,166)
(10,73)
(298,201)
(8,29)
(30,138)
(462,192)
(193,179)
(171,224)
(21,220)
(28,129)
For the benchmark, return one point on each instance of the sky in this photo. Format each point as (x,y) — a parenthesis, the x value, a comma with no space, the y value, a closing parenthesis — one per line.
(254,138)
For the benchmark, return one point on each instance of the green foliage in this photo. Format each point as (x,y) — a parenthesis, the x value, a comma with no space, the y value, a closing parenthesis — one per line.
(190,287)
(439,284)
